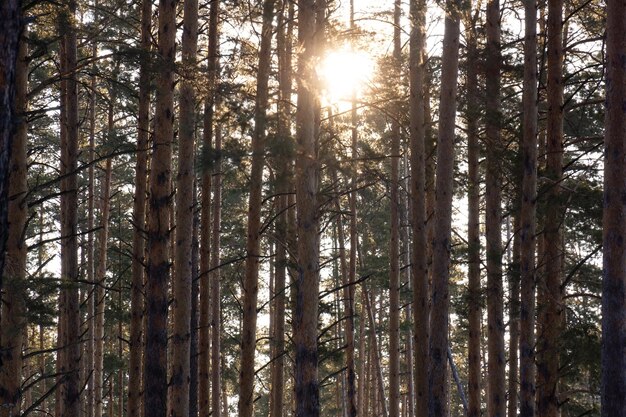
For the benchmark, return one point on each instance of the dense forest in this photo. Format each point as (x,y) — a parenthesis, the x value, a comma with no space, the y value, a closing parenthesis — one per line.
(313,208)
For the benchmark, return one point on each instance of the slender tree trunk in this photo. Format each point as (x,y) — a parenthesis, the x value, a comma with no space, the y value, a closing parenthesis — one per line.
(496,406)
(91,299)
(419,261)
(13,318)
(614,227)
(139,220)
(178,402)
(548,366)
(70,390)
(363,375)
(514,321)
(283,45)
(378,378)
(204,350)
(158,259)
(195,292)
(438,396)
(473,223)
(253,242)
(216,371)
(307,173)
(528,214)
(394,252)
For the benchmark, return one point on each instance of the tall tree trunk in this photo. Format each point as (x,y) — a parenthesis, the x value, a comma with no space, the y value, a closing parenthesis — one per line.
(216,370)
(552,310)
(496,406)
(307,173)
(204,351)
(139,220)
(70,390)
(101,270)
(514,319)
(528,214)
(614,227)
(283,45)
(194,322)
(253,242)
(473,221)
(394,252)
(378,378)
(178,402)
(419,261)
(13,317)
(158,259)
(11,12)
(91,299)
(438,397)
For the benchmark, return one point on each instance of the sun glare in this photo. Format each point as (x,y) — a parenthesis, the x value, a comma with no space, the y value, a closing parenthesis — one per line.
(344,72)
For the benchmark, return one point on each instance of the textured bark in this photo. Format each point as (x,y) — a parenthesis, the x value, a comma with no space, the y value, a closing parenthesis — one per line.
(10,11)
(307,180)
(13,330)
(70,337)
(158,258)
(253,242)
(473,224)
(363,369)
(528,215)
(394,242)
(195,292)
(496,405)
(552,308)
(204,350)
(139,220)
(417,190)
(614,227)
(178,401)
(438,396)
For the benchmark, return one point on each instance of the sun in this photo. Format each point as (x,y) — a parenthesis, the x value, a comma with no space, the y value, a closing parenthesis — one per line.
(344,73)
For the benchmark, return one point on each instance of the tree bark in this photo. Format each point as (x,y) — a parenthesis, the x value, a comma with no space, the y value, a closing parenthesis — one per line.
(438,396)
(158,259)
(496,406)
(473,223)
(139,220)
(528,214)
(394,252)
(204,350)
(9,37)
(70,390)
(216,309)
(514,320)
(178,402)
(419,261)
(307,173)
(552,310)
(614,227)
(13,318)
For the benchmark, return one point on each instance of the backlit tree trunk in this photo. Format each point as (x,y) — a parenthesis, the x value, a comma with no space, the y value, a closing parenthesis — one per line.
(307,172)
(216,370)
(438,398)
(614,227)
(253,242)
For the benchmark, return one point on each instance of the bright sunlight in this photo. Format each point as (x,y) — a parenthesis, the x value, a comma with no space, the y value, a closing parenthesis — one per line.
(344,72)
